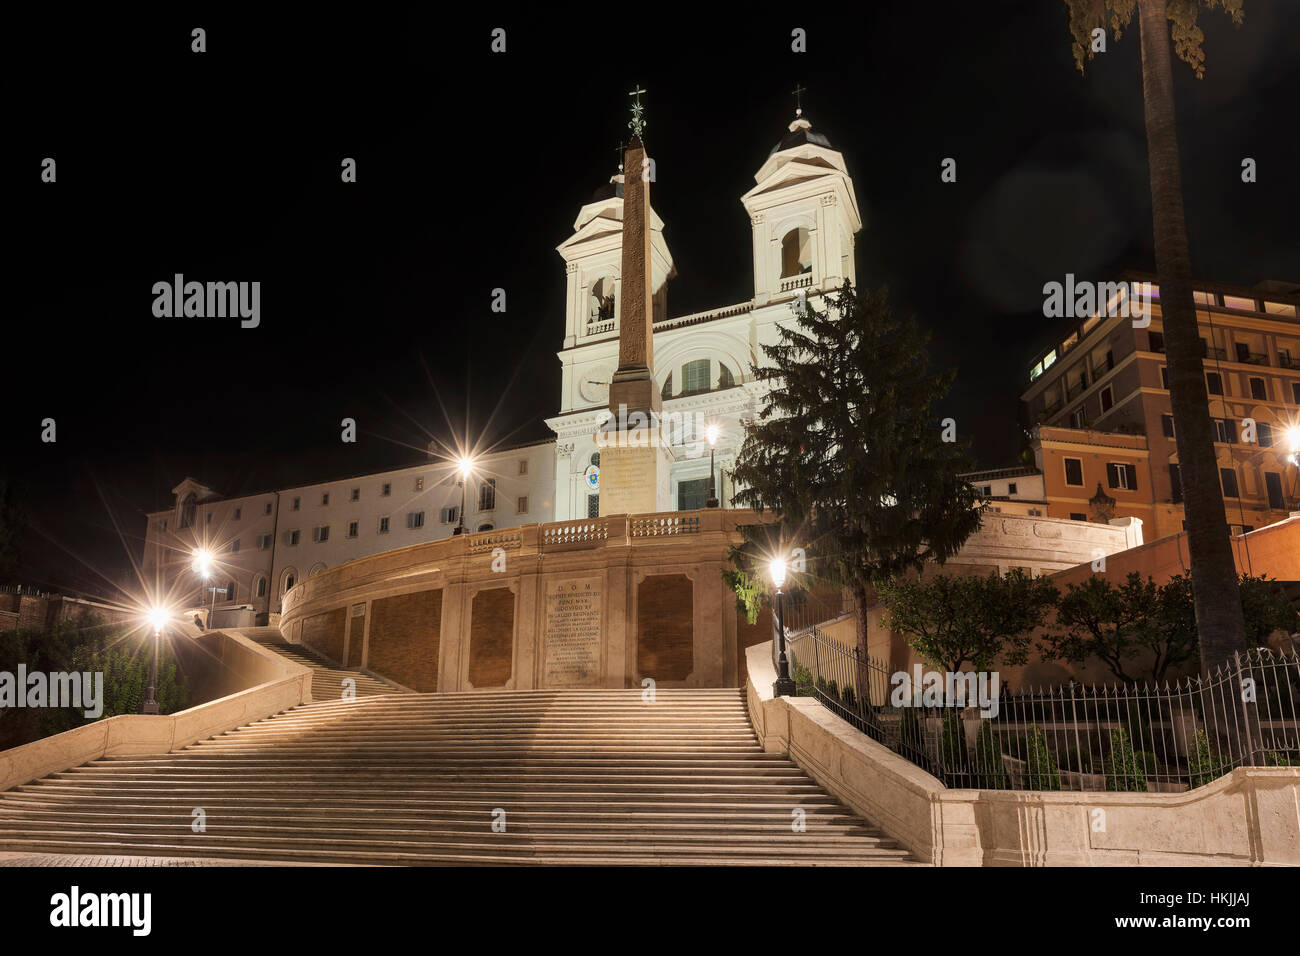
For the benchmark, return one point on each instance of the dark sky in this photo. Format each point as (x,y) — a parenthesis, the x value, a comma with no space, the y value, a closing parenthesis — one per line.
(472,167)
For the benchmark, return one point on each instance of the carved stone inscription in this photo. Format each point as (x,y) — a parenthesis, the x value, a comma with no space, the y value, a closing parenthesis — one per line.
(573,621)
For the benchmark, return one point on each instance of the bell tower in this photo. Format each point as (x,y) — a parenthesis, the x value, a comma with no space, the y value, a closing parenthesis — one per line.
(804,215)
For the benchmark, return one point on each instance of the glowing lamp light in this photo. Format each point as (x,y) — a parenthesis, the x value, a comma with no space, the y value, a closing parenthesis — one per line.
(465,466)
(1293,438)
(202,562)
(777,570)
(157,617)
(711,433)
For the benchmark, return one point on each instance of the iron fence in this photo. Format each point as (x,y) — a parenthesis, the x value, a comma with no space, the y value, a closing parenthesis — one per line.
(1166,738)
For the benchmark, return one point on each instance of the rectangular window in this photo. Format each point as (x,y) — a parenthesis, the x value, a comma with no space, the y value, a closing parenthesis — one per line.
(383,525)
(1077,419)
(1257,389)
(1273,482)
(1175,484)
(1107,399)
(1156,341)
(449,515)
(297,502)
(1120,475)
(415,519)
(1222,431)
(1074,471)
(352,529)
(263,542)
(987,491)
(1264,434)
(321,534)
(291,538)
(1075,516)
(1213,383)
(238,513)
(1167,425)
(388,489)
(487,495)
(1229,478)
(692,494)
(1011,487)
(523,466)
(1164,377)
(268,507)
(234,546)
(356,494)
(521,506)
(1295,392)
(325,498)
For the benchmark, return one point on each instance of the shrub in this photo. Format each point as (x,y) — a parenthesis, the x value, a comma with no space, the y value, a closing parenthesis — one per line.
(1203,764)
(1042,771)
(803,682)
(952,743)
(1280,758)
(988,759)
(1124,770)
(833,690)
(849,699)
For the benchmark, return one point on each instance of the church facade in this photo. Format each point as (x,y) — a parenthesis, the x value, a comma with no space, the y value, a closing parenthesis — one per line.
(804,216)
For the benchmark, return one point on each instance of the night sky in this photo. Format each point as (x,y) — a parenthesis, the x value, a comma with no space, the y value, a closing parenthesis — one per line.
(224,166)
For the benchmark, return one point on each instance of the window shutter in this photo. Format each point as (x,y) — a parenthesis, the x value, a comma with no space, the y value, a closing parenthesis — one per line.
(1132,475)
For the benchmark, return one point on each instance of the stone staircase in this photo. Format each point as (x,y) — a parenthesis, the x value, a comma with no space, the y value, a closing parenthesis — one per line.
(567,777)
(326,679)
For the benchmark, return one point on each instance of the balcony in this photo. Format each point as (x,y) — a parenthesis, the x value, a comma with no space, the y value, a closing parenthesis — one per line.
(797,282)
(1252,358)
(1078,388)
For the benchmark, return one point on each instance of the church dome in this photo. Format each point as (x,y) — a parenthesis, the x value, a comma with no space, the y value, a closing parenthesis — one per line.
(800,133)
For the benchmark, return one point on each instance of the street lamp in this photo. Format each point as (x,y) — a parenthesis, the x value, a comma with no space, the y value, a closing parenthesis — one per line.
(466,466)
(157,617)
(783,686)
(711,433)
(1293,443)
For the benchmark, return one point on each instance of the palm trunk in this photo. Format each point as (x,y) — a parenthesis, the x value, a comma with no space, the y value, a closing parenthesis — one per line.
(1214,570)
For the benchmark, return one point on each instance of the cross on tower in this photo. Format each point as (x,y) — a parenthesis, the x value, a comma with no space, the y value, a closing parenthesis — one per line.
(637,123)
(798,92)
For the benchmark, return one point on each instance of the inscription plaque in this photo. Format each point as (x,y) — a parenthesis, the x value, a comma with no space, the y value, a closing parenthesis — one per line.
(573,621)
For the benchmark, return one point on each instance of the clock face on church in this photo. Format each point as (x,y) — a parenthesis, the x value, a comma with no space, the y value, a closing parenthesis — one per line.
(594,387)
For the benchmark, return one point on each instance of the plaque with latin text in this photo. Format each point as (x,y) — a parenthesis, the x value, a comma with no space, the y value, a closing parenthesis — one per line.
(573,621)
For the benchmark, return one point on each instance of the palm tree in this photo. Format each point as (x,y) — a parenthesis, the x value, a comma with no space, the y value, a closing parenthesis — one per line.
(1214,571)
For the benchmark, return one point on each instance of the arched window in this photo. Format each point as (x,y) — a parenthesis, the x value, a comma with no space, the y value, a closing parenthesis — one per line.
(601,305)
(668,387)
(187,510)
(316,569)
(725,378)
(485,527)
(259,586)
(796,253)
(695,376)
(230,592)
(287,580)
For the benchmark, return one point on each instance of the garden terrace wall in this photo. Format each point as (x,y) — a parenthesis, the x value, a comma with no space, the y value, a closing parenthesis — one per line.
(546,605)
(1251,816)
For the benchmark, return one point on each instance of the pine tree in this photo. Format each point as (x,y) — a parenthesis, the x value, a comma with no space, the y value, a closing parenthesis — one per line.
(848,452)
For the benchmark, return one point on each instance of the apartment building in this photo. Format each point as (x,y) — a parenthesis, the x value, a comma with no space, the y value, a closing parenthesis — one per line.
(1107,378)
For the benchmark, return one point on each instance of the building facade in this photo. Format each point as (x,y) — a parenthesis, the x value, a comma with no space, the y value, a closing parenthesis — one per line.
(804,217)
(1108,379)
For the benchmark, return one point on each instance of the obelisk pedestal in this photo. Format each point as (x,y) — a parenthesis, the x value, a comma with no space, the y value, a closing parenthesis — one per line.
(634,457)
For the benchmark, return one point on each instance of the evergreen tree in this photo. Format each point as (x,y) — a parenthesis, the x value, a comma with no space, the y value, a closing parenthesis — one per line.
(848,452)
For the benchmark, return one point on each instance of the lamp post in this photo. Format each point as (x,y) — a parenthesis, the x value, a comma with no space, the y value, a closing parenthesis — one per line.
(157,617)
(783,686)
(712,434)
(466,466)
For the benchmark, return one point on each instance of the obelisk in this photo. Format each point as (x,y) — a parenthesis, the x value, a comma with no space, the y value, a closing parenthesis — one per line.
(634,462)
